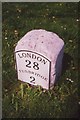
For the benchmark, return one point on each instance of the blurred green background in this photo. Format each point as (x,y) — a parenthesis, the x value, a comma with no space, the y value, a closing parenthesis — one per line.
(21,100)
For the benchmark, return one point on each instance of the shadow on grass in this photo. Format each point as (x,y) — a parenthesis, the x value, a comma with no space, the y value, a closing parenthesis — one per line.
(66,63)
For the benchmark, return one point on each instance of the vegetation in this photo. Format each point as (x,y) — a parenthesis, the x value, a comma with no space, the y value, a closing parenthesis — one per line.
(20,100)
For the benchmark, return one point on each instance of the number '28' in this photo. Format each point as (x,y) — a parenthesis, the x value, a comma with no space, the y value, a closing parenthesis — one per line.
(35,65)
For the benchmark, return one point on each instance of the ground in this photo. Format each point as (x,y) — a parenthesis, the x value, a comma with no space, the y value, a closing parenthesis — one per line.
(20,100)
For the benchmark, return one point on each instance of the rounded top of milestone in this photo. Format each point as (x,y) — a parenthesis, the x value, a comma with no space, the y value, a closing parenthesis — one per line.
(41,41)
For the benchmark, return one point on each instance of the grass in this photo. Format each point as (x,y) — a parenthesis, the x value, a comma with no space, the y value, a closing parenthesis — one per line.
(21,100)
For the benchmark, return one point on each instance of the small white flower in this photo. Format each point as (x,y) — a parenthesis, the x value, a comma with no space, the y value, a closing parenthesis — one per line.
(60,4)
(79,102)
(17,16)
(61,26)
(5,38)
(73,68)
(15,31)
(70,41)
(77,20)
(53,17)
(47,9)
(64,28)
(54,21)
(69,79)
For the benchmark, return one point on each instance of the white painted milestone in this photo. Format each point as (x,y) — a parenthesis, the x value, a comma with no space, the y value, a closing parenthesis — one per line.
(39,58)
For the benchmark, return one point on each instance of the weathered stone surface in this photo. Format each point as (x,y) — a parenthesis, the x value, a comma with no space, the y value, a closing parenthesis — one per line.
(50,48)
